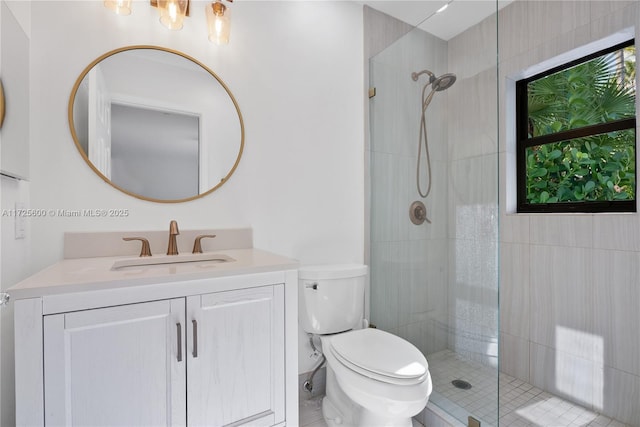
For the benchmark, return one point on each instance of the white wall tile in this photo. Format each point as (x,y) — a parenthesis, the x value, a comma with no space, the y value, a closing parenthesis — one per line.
(618,18)
(562,230)
(619,395)
(514,289)
(553,18)
(583,302)
(515,228)
(474,51)
(410,268)
(412,282)
(384,292)
(514,356)
(465,197)
(472,120)
(600,8)
(514,28)
(616,315)
(561,315)
(562,374)
(552,47)
(381,30)
(617,232)
(389,209)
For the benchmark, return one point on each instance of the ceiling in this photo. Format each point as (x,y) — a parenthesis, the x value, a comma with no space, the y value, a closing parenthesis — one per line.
(460,15)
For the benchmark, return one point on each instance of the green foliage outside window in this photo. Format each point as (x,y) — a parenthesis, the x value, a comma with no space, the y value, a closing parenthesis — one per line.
(596,167)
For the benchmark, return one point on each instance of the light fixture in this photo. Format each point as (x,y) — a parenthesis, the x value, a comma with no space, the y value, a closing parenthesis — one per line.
(121,7)
(172,13)
(218,22)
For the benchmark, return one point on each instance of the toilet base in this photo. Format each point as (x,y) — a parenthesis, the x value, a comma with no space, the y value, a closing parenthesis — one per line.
(339,410)
(334,418)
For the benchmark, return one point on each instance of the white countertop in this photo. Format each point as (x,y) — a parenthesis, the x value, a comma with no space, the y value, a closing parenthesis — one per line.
(89,274)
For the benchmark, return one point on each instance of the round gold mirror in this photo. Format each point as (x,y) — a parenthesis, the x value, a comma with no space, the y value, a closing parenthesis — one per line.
(156,124)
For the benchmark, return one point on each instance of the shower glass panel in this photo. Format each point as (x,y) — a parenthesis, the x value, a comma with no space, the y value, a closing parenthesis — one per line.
(436,283)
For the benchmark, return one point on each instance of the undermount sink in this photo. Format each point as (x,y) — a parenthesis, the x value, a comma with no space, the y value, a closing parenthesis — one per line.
(171,259)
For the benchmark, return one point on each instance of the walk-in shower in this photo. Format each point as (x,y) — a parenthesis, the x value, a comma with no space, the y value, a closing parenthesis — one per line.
(568,283)
(437,285)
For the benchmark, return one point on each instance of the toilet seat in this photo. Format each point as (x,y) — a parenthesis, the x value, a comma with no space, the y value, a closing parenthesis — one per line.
(381,356)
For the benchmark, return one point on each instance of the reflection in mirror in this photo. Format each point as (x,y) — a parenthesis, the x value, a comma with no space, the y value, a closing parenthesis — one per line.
(156,124)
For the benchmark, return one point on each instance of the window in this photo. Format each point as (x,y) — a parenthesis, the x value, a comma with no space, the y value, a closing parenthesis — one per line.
(576,135)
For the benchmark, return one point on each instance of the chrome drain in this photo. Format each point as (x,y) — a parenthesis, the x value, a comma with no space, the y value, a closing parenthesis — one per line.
(461,384)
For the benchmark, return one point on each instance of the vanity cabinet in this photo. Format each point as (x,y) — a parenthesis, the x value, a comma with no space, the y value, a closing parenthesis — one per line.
(205,360)
(218,351)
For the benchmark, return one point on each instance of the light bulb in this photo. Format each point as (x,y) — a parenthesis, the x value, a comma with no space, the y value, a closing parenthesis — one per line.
(120,7)
(172,13)
(218,22)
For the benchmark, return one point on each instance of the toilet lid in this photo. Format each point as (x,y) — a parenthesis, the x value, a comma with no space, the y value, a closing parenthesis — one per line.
(388,357)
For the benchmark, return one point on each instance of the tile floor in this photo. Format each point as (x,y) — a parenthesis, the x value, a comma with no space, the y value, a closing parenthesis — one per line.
(311,412)
(521,404)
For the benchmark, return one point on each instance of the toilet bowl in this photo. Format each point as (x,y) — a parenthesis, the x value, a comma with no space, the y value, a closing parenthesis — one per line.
(374,378)
(388,386)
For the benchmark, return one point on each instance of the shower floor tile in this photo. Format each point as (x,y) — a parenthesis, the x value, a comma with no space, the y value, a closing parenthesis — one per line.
(521,404)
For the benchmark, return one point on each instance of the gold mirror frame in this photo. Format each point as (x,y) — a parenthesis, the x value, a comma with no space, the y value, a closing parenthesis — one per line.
(86,158)
(1,104)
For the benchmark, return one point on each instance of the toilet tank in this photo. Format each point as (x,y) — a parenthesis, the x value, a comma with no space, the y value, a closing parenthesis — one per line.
(331,297)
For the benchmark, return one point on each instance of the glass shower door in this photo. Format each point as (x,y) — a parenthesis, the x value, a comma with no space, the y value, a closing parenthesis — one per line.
(434,270)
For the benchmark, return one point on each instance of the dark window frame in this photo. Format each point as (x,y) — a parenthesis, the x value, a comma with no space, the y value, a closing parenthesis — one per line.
(523,142)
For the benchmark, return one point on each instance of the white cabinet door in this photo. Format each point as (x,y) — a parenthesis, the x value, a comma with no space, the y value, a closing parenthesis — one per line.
(235,355)
(116,366)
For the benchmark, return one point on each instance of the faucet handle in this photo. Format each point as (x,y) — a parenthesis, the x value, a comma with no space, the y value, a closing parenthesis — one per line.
(197,246)
(145,250)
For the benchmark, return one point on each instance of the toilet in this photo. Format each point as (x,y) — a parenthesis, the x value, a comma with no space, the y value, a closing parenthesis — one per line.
(374,378)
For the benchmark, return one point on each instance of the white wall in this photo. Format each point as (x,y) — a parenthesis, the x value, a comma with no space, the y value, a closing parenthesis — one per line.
(299,184)
(298,82)
(569,283)
(14,264)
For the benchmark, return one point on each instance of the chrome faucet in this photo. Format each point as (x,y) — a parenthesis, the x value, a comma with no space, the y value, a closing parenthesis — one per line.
(173,232)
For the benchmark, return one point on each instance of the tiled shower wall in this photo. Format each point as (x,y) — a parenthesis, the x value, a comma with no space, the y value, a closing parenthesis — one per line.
(570,288)
(408,262)
(473,194)
(436,284)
